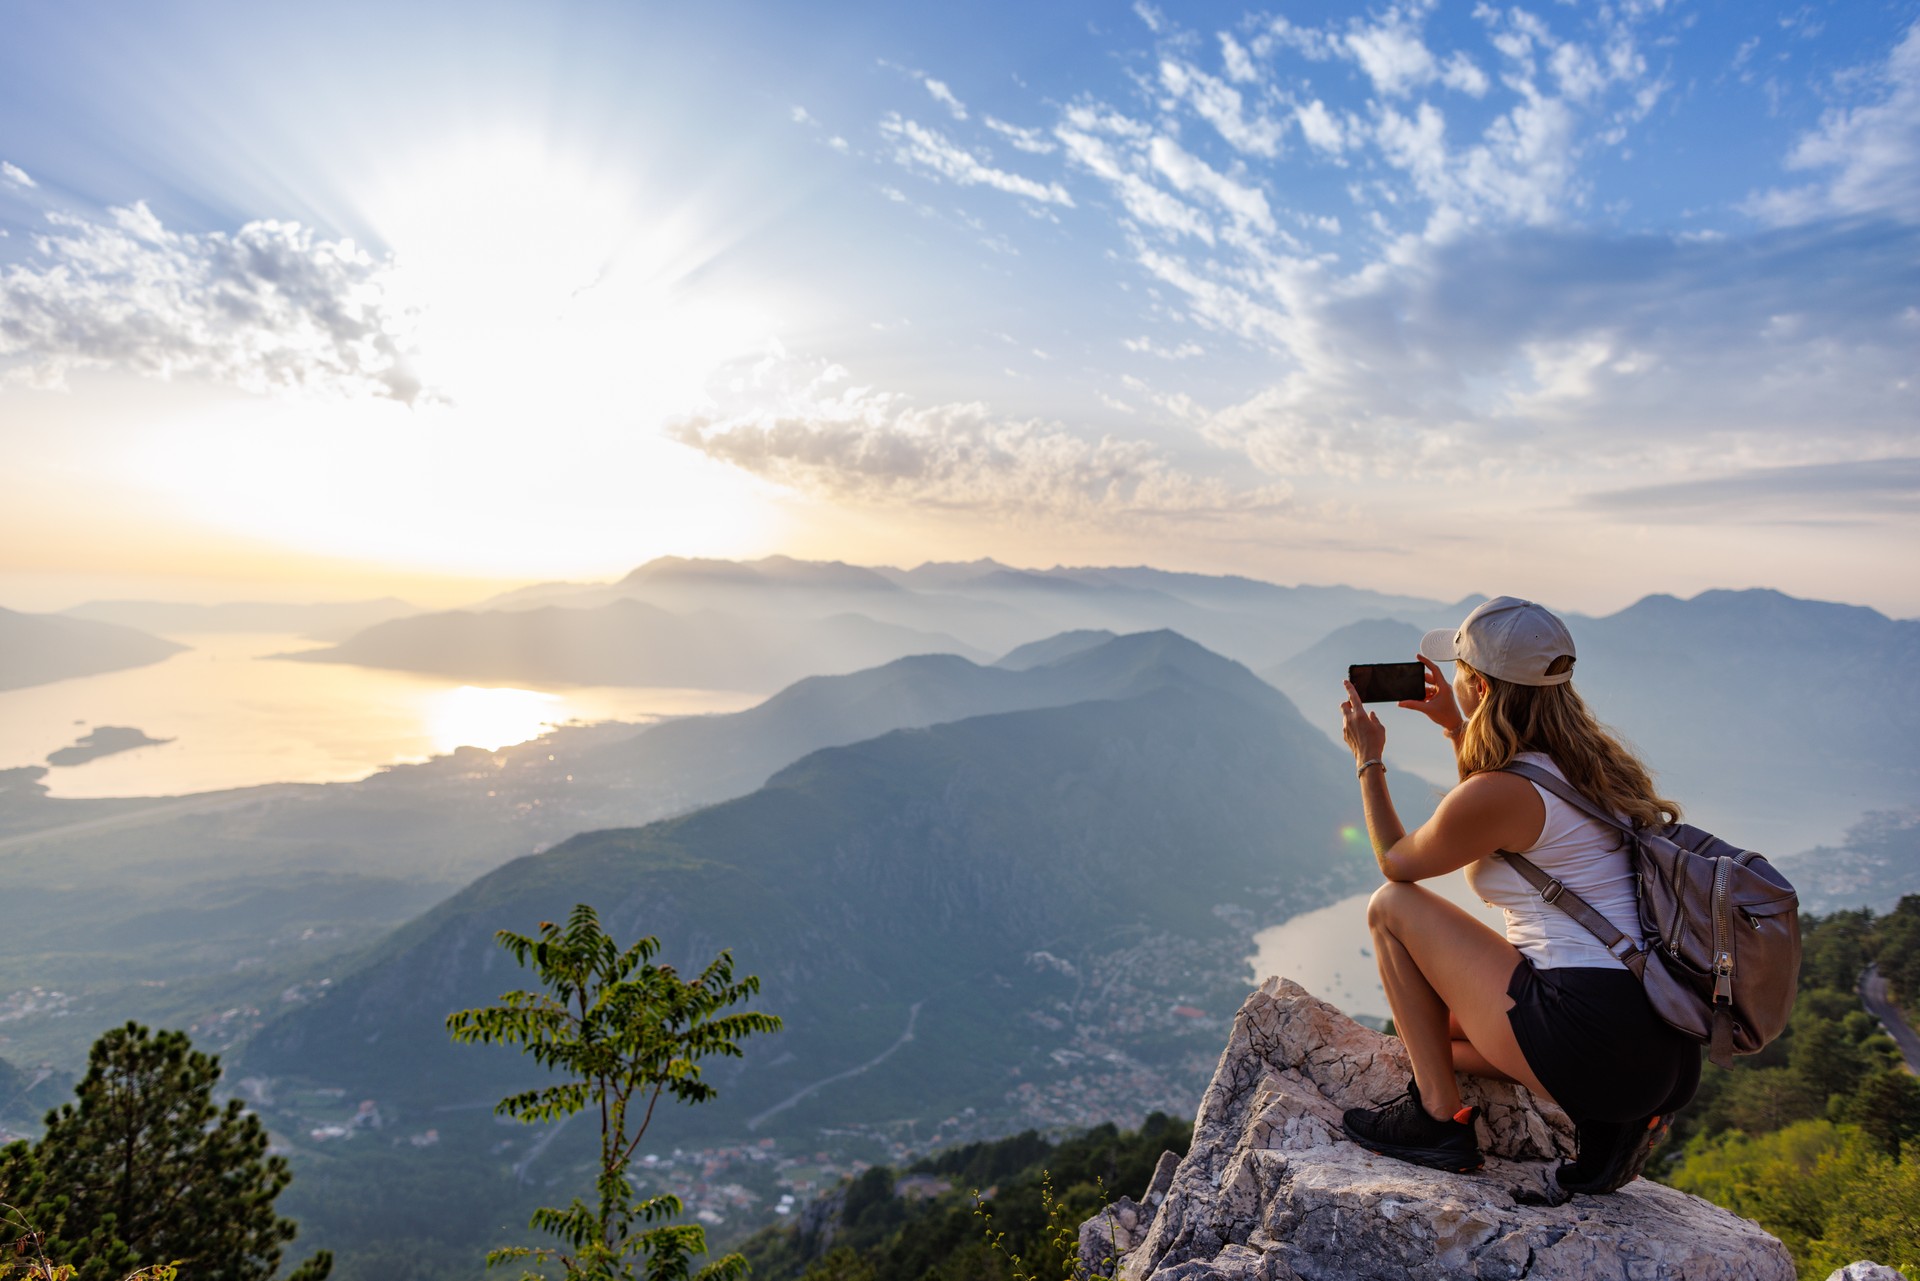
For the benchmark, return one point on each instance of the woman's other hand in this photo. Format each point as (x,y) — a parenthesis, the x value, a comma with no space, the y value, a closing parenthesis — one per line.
(1439,705)
(1361,728)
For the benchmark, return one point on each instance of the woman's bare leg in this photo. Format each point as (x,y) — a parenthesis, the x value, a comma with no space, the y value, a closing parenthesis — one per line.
(1445,971)
(1466,1058)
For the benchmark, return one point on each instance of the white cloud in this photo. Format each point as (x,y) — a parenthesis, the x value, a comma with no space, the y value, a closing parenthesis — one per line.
(14,176)
(916,146)
(1155,20)
(1219,305)
(1872,151)
(944,96)
(1461,73)
(1517,350)
(1031,141)
(1522,169)
(799,424)
(801,116)
(1220,105)
(1309,42)
(1392,53)
(1234,57)
(1247,205)
(1147,347)
(1142,200)
(267,308)
(1319,127)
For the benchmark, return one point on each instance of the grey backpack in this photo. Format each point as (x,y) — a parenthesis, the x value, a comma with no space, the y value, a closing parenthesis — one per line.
(1722,927)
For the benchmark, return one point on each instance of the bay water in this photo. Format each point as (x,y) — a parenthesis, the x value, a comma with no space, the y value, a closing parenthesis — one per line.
(237,717)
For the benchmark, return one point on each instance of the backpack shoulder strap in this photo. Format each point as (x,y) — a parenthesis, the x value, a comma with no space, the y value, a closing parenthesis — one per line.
(1566,792)
(1552,891)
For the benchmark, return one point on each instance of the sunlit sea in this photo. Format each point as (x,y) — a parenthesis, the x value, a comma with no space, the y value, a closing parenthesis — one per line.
(238,718)
(1329,952)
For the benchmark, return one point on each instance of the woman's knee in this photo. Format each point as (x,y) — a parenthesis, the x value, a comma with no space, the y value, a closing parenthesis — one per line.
(1387,906)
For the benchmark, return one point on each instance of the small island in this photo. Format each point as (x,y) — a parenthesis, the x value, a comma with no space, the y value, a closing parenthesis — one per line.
(104,740)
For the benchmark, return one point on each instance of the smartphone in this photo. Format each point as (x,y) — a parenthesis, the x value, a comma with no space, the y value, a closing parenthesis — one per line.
(1389,682)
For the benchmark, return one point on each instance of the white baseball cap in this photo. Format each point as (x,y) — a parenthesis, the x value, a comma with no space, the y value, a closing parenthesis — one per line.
(1506,638)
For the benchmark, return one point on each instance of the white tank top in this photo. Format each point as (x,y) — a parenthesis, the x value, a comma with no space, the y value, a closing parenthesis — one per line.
(1583,855)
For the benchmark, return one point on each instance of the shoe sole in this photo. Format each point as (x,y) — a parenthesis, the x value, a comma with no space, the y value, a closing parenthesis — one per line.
(1433,1158)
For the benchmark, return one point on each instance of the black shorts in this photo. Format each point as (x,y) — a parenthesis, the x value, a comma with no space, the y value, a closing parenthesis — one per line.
(1592,1038)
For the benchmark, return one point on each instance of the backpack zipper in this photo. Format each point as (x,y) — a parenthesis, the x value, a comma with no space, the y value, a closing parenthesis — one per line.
(1722,942)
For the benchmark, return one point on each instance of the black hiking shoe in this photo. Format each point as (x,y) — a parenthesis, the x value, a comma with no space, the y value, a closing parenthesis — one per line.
(1400,1128)
(1611,1154)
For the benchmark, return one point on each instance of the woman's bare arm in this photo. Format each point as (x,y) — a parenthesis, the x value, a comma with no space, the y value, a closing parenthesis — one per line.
(1485,813)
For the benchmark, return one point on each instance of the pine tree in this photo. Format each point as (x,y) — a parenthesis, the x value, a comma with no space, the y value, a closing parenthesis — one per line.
(145,1168)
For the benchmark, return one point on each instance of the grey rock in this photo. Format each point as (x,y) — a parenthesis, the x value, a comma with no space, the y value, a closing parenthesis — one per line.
(1866,1271)
(1162,1178)
(1110,1234)
(1271,1190)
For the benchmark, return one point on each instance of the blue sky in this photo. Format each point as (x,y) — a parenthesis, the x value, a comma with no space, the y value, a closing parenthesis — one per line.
(1581,301)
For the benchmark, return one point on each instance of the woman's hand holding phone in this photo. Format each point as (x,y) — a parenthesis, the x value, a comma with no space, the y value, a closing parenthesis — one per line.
(1361,728)
(1439,705)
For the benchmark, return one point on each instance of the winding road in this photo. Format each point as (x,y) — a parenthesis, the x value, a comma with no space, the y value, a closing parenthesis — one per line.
(913,1016)
(1873,995)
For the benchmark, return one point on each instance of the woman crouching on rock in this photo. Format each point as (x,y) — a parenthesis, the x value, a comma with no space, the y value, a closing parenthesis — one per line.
(1546,1006)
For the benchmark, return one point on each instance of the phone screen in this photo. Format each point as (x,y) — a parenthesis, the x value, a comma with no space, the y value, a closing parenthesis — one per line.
(1389,682)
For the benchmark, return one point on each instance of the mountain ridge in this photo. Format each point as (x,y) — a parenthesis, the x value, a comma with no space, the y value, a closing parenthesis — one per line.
(918,867)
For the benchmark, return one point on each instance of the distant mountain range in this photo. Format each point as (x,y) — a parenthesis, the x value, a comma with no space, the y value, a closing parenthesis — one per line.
(761,624)
(38,648)
(907,881)
(323,621)
(630,642)
(709,758)
(1776,721)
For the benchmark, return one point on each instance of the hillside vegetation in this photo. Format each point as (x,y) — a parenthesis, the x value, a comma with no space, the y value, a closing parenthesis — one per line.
(922,1221)
(1817,1137)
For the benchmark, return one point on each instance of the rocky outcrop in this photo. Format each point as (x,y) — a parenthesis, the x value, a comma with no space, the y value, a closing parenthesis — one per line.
(1271,1190)
(1866,1271)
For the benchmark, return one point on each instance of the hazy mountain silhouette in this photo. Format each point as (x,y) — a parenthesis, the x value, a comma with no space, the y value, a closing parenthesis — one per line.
(710,758)
(37,648)
(1054,648)
(331,620)
(1312,679)
(920,867)
(1776,720)
(983,604)
(628,642)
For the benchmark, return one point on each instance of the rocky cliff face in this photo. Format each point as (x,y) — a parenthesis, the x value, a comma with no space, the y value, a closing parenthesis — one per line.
(1271,1190)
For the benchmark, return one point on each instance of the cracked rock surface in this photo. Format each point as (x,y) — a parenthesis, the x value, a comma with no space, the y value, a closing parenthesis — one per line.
(1271,1190)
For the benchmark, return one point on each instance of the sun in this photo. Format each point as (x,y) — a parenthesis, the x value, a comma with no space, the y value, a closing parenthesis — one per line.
(559,325)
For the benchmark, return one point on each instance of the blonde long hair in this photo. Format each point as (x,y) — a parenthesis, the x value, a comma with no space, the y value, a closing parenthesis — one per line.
(1554,719)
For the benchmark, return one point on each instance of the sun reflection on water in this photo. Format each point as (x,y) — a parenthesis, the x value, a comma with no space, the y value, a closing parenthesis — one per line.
(472,716)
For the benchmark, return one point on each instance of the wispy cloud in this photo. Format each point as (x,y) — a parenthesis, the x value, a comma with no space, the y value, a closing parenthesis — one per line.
(1526,349)
(1223,107)
(268,308)
(13,175)
(802,424)
(1871,151)
(929,151)
(1148,347)
(1773,494)
(1121,167)
(1032,141)
(1462,312)
(944,96)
